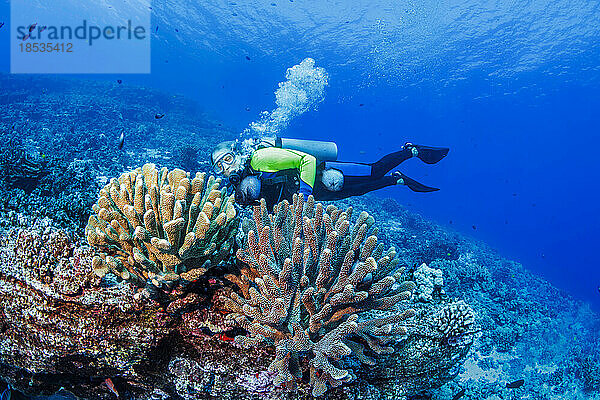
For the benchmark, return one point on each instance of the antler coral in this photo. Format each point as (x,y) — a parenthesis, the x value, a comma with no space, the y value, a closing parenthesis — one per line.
(309,281)
(161,226)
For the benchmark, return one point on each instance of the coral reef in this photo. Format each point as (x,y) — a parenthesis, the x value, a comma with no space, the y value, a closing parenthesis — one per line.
(65,328)
(161,227)
(310,284)
(70,128)
(429,283)
(187,156)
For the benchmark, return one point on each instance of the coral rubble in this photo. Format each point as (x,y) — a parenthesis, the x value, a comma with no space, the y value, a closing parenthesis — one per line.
(310,285)
(161,227)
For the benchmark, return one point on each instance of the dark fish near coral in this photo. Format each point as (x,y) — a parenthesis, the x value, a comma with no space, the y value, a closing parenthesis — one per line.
(516,384)
(119,81)
(122,139)
(32,27)
(474,227)
(1,24)
(159,116)
(156,28)
(459,394)
(248,58)
(111,386)
(361,105)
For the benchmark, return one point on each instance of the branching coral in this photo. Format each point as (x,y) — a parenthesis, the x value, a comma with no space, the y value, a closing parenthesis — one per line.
(161,226)
(455,320)
(310,285)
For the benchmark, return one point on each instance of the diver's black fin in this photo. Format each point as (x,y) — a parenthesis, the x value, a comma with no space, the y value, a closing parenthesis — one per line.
(429,154)
(412,184)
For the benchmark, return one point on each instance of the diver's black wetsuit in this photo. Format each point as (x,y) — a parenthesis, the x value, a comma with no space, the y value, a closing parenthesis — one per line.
(280,185)
(359,185)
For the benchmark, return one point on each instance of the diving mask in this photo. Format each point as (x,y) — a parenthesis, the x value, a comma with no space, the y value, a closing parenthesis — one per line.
(222,162)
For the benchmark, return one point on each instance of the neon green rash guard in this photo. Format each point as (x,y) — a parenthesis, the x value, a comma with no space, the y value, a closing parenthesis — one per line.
(274,159)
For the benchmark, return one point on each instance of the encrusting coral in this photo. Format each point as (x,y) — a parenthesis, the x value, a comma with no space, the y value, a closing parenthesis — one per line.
(310,286)
(161,227)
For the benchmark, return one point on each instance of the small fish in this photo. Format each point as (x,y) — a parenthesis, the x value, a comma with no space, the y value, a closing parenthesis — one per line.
(450,222)
(459,394)
(361,105)
(26,37)
(1,24)
(119,81)
(516,384)
(12,128)
(247,108)
(474,227)
(599,289)
(122,139)
(248,58)
(111,386)
(176,30)
(159,116)
(156,30)
(32,27)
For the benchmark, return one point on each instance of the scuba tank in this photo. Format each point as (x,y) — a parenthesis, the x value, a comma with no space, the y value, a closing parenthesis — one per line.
(321,150)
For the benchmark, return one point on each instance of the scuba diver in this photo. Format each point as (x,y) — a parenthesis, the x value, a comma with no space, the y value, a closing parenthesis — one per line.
(277,168)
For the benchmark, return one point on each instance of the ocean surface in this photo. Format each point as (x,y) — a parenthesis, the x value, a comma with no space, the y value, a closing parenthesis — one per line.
(512,88)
